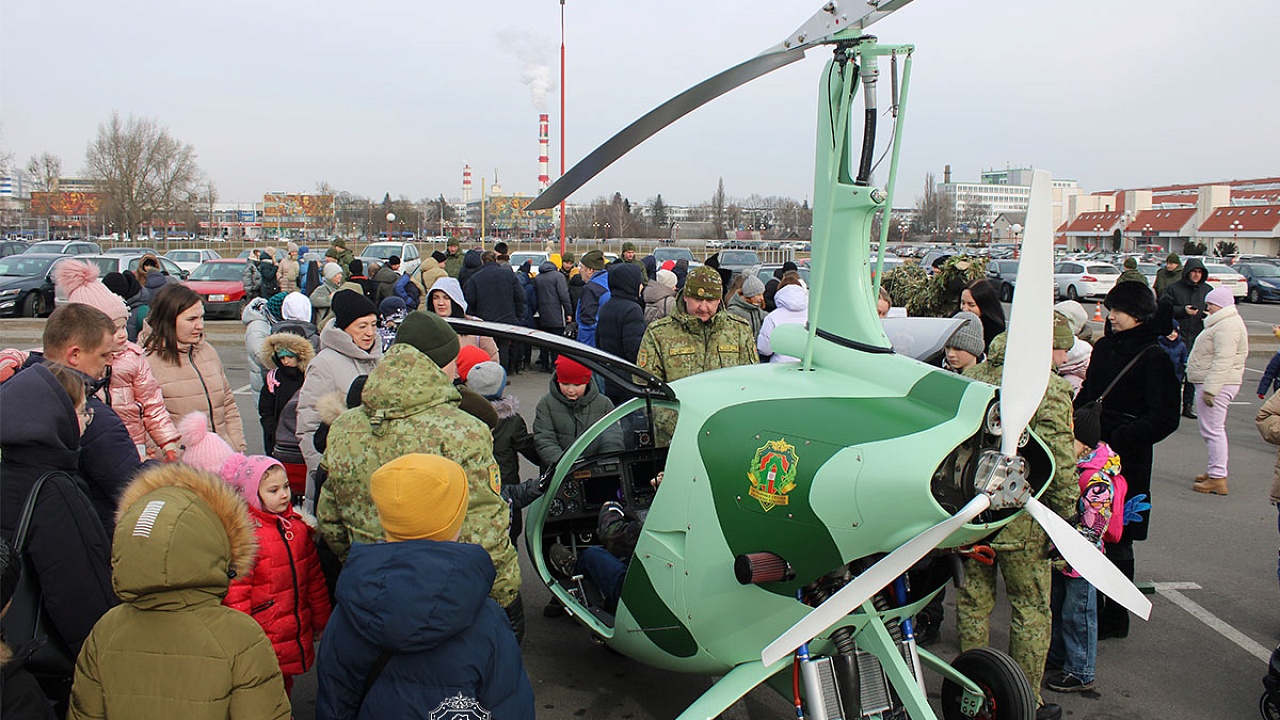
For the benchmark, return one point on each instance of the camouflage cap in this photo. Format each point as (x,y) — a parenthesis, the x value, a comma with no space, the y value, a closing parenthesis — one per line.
(593,260)
(704,283)
(1063,338)
(628,246)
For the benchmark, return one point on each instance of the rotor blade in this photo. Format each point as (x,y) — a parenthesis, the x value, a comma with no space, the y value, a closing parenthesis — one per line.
(869,583)
(1029,352)
(831,19)
(1085,559)
(657,119)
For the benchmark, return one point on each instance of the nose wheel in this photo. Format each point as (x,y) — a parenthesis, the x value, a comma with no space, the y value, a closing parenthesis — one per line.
(1007,694)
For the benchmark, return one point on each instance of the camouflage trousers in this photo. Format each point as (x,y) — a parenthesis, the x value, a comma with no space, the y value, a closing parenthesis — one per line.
(1027,580)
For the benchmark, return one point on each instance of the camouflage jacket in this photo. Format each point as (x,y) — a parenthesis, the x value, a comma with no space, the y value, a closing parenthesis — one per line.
(1131,275)
(681,345)
(411,407)
(936,295)
(1052,424)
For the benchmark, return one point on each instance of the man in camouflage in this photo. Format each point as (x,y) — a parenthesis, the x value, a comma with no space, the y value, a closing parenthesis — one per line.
(1131,273)
(410,405)
(698,335)
(1022,547)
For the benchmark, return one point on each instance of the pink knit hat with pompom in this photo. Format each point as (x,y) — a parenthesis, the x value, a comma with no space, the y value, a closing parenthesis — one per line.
(79,280)
(244,473)
(203,449)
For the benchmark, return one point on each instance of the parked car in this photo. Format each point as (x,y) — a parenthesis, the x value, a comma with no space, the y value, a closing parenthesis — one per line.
(122,263)
(379,252)
(13,247)
(26,284)
(190,259)
(765,272)
(279,253)
(130,251)
(220,285)
(1004,275)
(1223,275)
(1263,280)
(1076,279)
(66,247)
(518,259)
(663,254)
(739,260)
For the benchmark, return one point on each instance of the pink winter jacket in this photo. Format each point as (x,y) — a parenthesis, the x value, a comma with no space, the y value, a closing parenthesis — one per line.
(137,399)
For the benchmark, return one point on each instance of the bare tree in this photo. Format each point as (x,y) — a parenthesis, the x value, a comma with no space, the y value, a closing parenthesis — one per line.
(45,169)
(718,218)
(933,211)
(145,172)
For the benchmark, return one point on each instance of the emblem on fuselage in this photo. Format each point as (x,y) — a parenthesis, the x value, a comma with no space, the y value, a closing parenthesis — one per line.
(773,473)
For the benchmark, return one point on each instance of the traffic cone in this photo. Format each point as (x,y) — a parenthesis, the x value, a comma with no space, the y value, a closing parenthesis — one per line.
(1097,312)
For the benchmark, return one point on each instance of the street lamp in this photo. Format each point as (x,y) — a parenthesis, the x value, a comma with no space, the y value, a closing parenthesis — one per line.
(391,217)
(606,232)
(1016,229)
(902,231)
(1235,226)
(675,226)
(1097,230)
(1146,235)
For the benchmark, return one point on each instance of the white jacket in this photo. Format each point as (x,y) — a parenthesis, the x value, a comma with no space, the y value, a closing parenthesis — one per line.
(1218,356)
(793,309)
(338,363)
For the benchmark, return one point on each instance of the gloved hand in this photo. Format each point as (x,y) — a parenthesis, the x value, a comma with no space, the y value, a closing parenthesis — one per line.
(1208,399)
(171,451)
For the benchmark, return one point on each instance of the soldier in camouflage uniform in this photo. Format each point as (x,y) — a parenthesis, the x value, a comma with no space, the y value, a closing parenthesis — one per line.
(1022,547)
(410,406)
(698,335)
(936,295)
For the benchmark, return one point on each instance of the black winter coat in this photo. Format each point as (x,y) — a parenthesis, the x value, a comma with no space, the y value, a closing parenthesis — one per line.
(68,547)
(108,456)
(470,266)
(1140,411)
(554,305)
(493,293)
(1183,293)
(620,323)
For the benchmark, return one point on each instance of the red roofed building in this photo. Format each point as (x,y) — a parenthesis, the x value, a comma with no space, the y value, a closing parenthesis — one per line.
(1091,230)
(1255,229)
(1159,228)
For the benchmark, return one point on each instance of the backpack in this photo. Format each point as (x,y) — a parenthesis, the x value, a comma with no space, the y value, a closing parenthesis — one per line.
(270,283)
(408,291)
(287,448)
(311,278)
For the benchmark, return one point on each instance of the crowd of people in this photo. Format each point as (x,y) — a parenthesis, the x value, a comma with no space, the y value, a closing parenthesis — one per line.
(177,571)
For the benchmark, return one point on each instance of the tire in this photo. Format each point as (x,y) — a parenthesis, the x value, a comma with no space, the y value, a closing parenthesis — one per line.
(1268,707)
(1006,293)
(1072,294)
(1008,694)
(34,305)
(1255,295)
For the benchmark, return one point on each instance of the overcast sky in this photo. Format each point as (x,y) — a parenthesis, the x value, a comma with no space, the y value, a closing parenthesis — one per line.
(395,96)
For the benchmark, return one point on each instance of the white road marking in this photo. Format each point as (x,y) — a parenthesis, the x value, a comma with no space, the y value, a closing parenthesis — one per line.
(1249,369)
(244,390)
(1172,591)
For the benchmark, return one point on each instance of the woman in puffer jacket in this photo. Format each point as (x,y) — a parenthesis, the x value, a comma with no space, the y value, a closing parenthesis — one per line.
(188,368)
(134,394)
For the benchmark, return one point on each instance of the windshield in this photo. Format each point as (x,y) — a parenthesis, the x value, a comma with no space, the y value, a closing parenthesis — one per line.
(1265,270)
(218,271)
(19,266)
(517,259)
(738,257)
(105,264)
(184,256)
(382,252)
(1102,270)
(50,246)
(664,254)
(1220,270)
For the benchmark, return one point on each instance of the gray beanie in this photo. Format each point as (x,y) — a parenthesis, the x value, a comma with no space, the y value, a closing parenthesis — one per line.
(968,336)
(752,287)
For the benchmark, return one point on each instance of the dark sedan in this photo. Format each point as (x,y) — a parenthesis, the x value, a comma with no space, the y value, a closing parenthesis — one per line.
(1264,281)
(1003,275)
(26,284)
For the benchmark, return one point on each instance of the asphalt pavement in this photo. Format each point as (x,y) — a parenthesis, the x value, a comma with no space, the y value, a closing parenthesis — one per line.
(1213,562)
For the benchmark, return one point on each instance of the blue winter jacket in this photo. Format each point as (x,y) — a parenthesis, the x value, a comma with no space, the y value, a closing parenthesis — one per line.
(1271,377)
(593,296)
(426,603)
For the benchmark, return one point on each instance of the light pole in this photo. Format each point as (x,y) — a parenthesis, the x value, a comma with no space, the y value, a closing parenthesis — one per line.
(675,227)
(595,230)
(1146,234)
(1235,226)
(1016,229)
(902,232)
(391,218)
(1097,230)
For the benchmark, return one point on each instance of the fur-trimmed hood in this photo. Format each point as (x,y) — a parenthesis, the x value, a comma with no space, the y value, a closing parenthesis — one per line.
(506,406)
(289,341)
(331,405)
(181,535)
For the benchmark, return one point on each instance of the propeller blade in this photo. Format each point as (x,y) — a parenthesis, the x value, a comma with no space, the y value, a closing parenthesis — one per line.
(1085,558)
(657,119)
(1029,353)
(869,583)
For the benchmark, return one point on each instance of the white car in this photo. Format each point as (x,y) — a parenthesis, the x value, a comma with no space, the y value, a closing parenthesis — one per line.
(379,252)
(519,258)
(1223,275)
(1075,279)
(190,259)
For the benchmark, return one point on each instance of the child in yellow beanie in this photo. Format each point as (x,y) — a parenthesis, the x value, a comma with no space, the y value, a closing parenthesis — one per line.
(414,622)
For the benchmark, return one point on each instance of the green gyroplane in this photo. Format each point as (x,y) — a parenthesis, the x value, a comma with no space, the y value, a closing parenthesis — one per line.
(810,509)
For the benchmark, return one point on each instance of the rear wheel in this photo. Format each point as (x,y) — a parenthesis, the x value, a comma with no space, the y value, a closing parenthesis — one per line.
(1268,707)
(1008,695)
(34,305)
(1006,293)
(1072,293)
(1255,295)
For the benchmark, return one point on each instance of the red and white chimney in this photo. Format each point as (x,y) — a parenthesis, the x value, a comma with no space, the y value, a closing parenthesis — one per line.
(466,184)
(544,177)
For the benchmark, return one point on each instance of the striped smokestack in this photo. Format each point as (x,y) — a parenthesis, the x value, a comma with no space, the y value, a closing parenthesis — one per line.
(544,178)
(466,184)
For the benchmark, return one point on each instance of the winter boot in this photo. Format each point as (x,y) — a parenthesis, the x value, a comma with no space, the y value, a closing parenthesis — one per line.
(1215,486)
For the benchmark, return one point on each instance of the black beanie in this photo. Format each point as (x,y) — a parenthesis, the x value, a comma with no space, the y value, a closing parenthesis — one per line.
(1132,298)
(357,267)
(349,306)
(439,256)
(116,283)
(430,335)
(1088,428)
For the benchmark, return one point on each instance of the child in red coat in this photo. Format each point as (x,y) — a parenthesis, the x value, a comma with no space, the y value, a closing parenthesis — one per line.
(286,591)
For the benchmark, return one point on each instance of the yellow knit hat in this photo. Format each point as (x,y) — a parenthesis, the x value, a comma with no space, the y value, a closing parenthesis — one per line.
(420,497)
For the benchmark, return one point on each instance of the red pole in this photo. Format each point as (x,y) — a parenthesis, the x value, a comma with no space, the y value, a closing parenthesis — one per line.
(562,235)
